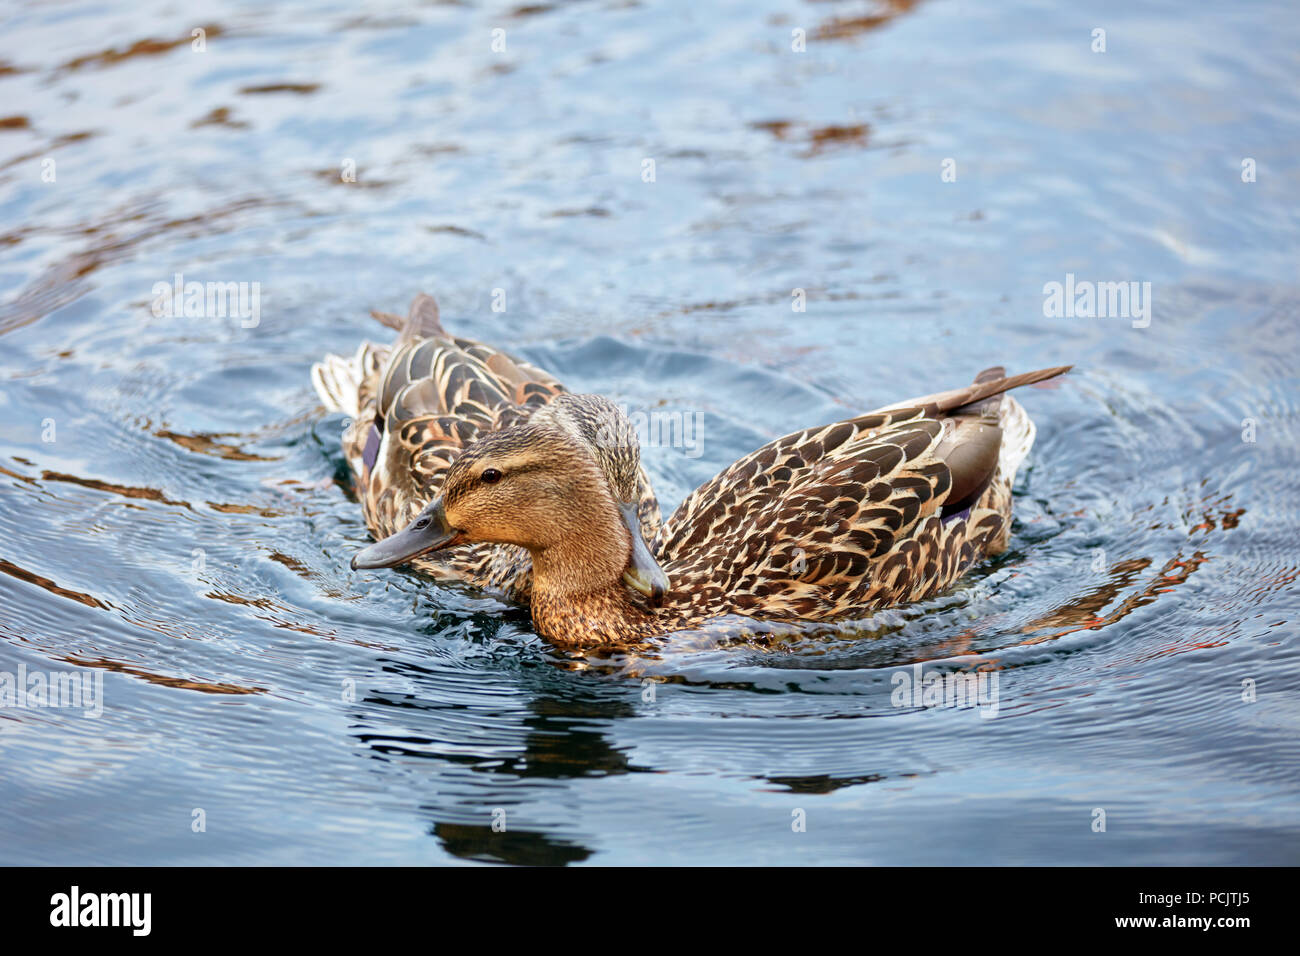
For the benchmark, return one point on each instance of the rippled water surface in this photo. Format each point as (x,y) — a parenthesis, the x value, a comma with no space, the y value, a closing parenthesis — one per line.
(175,519)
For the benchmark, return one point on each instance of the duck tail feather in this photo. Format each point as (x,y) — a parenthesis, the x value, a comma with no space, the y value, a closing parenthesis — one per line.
(394,322)
(989,408)
(958,398)
(422,322)
(984,386)
(338,380)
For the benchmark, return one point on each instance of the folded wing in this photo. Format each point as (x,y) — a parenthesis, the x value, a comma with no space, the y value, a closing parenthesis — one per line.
(874,511)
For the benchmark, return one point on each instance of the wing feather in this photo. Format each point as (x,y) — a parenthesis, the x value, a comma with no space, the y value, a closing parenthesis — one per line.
(804,525)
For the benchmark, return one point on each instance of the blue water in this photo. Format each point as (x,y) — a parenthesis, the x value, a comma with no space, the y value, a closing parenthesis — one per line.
(175,522)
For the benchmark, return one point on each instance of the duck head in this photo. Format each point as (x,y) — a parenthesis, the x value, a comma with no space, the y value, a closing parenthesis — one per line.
(565,483)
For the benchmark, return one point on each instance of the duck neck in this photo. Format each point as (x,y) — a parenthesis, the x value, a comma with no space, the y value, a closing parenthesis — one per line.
(578,598)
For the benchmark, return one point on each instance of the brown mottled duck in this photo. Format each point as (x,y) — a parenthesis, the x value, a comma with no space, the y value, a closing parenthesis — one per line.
(824,524)
(415,405)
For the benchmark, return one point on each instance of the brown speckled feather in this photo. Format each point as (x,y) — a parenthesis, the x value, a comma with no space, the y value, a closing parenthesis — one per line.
(832,522)
(820,525)
(417,404)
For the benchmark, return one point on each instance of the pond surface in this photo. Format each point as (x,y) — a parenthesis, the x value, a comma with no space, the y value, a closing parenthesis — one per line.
(175,521)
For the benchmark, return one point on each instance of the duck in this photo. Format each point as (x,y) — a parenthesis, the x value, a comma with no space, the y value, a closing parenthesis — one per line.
(825,524)
(414,405)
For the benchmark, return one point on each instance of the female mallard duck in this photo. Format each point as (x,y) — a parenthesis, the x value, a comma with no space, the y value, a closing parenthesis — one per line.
(416,404)
(823,524)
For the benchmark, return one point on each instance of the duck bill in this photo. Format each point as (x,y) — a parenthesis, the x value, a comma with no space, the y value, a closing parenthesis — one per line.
(428,532)
(643,572)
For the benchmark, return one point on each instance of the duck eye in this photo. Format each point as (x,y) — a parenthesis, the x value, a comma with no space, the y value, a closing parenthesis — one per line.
(490,476)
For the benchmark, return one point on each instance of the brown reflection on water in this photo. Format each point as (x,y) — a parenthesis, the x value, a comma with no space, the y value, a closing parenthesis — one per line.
(207,444)
(141,48)
(818,139)
(873,17)
(125,491)
(153,494)
(821,783)
(184,683)
(219,116)
(286,620)
(301,89)
(1084,612)
(530,10)
(470,841)
(22,574)
(823,138)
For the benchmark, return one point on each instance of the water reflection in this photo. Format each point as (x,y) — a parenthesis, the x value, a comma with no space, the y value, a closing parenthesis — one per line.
(523,847)
(844,26)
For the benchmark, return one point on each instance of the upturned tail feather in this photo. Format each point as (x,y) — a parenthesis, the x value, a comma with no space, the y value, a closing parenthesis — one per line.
(978,390)
(987,399)
(338,380)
